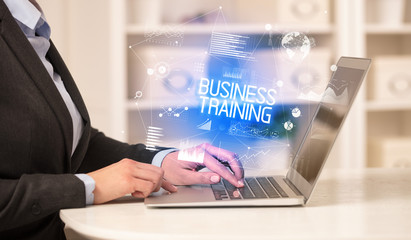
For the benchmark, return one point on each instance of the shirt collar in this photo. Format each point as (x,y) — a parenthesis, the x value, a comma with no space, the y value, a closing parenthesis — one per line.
(29,16)
(24,11)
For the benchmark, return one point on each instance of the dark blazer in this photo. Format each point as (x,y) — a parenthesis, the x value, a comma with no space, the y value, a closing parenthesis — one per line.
(36,166)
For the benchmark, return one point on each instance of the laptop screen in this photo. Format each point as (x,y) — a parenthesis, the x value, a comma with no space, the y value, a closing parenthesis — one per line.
(326,123)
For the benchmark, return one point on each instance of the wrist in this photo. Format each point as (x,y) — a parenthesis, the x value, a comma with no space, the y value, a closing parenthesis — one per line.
(160,156)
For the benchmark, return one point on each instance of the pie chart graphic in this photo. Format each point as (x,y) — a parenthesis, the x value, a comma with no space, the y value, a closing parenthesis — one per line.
(296,112)
(288,125)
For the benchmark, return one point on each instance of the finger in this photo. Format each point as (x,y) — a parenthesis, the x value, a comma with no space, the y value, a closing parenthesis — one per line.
(143,186)
(218,152)
(137,194)
(145,171)
(146,174)
(168,186)
(150,167)
(149,175)
(193,177)
(236,167)
(228,157)
(215,166)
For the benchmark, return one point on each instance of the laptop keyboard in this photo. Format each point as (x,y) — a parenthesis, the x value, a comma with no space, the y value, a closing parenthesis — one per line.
(259,187)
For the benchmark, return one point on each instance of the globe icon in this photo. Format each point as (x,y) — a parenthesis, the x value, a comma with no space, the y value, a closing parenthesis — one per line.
(296,46)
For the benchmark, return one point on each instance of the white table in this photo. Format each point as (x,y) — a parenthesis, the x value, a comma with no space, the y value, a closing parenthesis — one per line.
(361,204)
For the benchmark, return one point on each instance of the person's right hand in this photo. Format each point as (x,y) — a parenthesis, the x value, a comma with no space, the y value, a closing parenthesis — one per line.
(128,176)
(184,172)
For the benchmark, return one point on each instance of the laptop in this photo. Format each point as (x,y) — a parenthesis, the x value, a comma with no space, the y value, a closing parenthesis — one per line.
(296,187)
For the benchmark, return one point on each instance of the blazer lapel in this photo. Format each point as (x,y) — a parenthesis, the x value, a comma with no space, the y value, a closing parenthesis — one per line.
(30,61)
(61,68)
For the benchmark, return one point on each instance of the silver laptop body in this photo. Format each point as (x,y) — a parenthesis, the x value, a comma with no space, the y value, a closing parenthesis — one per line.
(296,187)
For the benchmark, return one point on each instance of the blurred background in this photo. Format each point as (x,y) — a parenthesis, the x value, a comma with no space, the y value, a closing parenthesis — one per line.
(101,42)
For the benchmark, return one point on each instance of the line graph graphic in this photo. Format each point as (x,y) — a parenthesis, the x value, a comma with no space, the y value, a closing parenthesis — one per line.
(172,111)
(252,159)
(246,157)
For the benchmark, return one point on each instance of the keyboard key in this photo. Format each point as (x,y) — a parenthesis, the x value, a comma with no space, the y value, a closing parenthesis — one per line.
(246,192)
(277,186)
(218,187)
(268,188)
(231,190)
(219,191)
(255,187)
(220,195)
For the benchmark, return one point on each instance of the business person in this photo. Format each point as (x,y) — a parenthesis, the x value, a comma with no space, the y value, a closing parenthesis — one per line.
(50,156)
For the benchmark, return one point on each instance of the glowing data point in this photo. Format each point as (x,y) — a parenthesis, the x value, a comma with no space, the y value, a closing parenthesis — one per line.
(186,108)
(177,115)
(162,69)
(325,12)
(170,109)
(249,148)
(160,115)
(268,27)
(150,71)
(220,7)
(130,46)
(333,68)
(280,83)
(139,94)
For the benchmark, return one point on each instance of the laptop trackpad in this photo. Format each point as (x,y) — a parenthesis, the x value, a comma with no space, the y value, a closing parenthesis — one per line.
(193,193)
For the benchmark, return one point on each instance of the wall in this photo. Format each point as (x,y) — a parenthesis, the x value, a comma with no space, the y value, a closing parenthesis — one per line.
(80,32)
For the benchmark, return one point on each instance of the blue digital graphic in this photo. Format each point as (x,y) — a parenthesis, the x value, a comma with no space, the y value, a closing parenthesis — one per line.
(227,91)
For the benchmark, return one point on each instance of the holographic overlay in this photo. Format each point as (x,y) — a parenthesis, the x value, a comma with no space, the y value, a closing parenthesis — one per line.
(296,46)
(233,100)
(172,111)
(154,135)
(223,88)
(231,45)
(252,130)
(168,35)
(191,153)
(206,125)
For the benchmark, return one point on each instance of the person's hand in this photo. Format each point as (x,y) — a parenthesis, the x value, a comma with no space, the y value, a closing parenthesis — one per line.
(182,172)
(128,176)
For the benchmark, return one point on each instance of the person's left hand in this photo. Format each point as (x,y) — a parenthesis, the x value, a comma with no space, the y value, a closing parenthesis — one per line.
(182,172)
